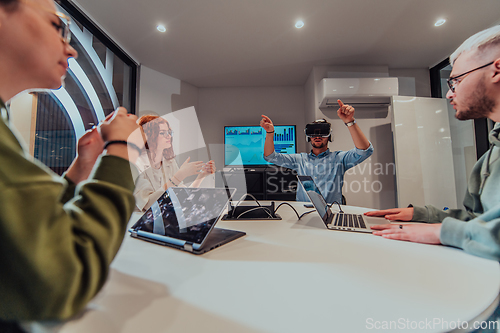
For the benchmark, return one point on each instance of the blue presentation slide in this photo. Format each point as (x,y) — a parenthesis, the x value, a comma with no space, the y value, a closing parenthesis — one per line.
(248,141)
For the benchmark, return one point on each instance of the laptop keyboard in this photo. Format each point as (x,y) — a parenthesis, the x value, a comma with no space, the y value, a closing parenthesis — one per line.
(349,220)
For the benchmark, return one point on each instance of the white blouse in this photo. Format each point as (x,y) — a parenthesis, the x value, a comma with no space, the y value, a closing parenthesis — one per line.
(150,184)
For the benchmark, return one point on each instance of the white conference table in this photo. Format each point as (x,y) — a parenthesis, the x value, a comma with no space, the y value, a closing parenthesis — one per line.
(290,276)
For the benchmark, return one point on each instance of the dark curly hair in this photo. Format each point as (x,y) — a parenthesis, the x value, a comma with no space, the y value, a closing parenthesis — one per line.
(151,130)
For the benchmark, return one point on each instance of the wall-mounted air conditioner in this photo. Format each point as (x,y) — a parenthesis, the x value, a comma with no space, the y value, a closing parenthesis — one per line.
(358,92)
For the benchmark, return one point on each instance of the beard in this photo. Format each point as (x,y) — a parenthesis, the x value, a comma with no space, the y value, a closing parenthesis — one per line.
(481,106)
(318,145)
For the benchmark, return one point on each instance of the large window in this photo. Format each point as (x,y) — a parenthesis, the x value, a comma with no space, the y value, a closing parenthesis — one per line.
(100,80)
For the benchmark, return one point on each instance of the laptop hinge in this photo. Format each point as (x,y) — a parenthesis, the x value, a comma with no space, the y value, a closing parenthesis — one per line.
(133,233)
(188,246)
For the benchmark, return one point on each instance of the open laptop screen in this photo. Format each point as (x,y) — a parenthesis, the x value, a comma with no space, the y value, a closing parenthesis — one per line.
(184,213)
(315,196)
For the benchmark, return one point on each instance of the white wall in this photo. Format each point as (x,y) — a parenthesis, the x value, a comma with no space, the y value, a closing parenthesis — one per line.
(370,184)
(216,107)
(244,106)
(412,81)
(155,92)
(161,94)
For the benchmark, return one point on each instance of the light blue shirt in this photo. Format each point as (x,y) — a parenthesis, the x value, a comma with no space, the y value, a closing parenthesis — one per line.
(327,169)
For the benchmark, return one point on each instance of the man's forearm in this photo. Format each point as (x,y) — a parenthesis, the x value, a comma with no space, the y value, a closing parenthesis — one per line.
(358,137)
(269,144)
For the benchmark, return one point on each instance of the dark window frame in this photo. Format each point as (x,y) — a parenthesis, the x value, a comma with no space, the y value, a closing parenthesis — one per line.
(435,77)
(83,19)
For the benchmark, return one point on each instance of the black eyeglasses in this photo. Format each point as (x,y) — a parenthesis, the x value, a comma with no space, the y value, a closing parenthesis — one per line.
(64,22)
(63,27)
(453,81)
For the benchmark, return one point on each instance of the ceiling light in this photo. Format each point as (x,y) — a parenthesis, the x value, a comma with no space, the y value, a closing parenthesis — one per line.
(439,22)
(299,24)
(161,28)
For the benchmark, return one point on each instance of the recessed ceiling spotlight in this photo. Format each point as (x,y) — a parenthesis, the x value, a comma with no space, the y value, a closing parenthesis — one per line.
(439,22)
(161,28)
(299,24)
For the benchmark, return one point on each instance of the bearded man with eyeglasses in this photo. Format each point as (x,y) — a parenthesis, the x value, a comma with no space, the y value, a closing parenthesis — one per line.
(474,93)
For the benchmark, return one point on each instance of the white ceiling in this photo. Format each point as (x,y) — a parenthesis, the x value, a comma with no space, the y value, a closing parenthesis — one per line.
(220,43)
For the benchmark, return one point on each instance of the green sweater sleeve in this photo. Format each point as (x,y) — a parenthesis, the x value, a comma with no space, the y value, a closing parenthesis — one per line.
(432,214)
(479,236)
(56,251)
(69,190)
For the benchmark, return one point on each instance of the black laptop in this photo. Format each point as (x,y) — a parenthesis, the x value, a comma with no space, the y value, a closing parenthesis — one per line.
(337,221)
(184,218)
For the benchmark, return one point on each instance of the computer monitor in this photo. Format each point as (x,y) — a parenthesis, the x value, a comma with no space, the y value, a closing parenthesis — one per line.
(244,145)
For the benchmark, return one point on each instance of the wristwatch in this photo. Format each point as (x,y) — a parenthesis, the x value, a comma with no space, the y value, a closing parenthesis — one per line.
(349,124)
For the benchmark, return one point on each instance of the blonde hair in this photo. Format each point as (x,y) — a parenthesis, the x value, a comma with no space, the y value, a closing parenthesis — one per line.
(481,41)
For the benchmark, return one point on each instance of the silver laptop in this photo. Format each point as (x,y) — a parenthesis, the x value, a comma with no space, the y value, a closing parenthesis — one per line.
(337,221)
(184,218)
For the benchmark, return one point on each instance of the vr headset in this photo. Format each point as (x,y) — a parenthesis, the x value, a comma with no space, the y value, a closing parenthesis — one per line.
(320,128)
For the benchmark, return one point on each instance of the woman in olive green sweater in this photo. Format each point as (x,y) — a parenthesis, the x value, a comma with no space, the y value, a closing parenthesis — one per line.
(58,235)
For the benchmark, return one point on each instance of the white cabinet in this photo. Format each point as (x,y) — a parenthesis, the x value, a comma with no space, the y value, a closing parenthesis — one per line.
(423,152)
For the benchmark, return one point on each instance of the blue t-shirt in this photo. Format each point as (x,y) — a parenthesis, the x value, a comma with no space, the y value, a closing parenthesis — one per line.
(327,169)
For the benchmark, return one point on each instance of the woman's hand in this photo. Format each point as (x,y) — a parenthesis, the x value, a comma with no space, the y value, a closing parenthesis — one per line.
(207,169)
(393,214)
(417,233)
(121,126)
(89,148)
(188,169)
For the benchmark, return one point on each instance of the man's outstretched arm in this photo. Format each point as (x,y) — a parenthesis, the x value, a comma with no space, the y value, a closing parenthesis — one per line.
(346,113)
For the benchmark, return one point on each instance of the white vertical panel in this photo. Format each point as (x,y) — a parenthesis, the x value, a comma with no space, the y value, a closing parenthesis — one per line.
(20,114)
(464,151)
(187,131)
(423,152)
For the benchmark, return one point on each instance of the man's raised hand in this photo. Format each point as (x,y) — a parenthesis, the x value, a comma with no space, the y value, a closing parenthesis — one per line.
(267,124)
(345,112)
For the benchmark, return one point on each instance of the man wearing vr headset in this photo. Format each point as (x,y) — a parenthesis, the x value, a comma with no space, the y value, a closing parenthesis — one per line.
(326,167)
